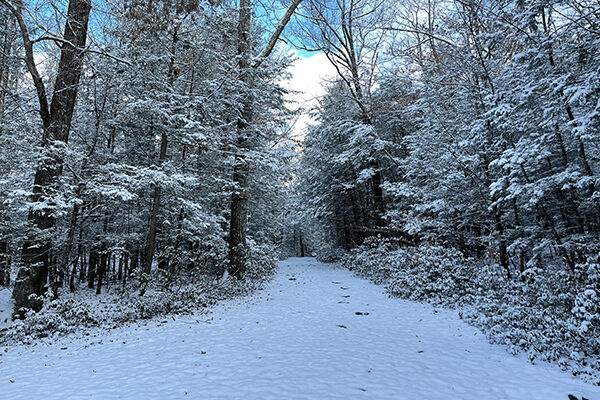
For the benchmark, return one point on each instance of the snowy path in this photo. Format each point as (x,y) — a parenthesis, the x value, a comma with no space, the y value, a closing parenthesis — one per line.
(300,338)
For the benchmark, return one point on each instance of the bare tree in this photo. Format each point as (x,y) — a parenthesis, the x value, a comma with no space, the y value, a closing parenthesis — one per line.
(349,34)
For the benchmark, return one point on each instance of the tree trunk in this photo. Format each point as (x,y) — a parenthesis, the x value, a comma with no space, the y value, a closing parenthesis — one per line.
(4,262)
(239,198)
(69,246)
(102,267)
(301,245)
(377,192)
(72,277)
(501,241)
(153,228)
(126,269)
(7,46)
(93,266)
(157,189)
(120,269)
(32,276)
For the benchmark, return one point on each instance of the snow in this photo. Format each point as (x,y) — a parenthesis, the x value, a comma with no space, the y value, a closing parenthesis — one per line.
(316,332)
(6,306)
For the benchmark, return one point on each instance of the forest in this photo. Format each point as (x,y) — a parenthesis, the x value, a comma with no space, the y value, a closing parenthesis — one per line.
(151,160)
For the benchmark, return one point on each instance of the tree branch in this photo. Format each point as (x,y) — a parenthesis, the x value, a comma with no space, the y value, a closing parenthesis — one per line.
(30,62)
(277,33)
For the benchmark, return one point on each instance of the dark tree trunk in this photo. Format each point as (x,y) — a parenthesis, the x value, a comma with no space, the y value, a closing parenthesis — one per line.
(504,261)
(151,246)
(69,246)
(239,199)
(4,262)
(83,267)
(93,266)
(135,260)
(102,268)
(120,269)
(238,224)
(32,276)
(126,270)
(72,277)
(377,192)
(104,256)
(301,245)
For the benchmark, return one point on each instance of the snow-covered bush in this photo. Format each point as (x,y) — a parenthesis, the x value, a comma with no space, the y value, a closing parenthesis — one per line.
(72,312)
(261,263)
(330,254)
(435,273)
(551,314)
(430,273)
(375,261)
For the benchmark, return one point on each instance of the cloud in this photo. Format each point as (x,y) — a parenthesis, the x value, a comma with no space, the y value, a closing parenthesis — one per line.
(309,77)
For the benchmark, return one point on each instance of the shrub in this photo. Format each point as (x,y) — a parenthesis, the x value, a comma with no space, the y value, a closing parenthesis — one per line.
(74,311)
(549,313)
(261,263)
(330,254)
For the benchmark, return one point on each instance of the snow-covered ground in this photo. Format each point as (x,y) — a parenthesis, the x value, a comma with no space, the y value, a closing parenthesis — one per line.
(6,306)
(316,332)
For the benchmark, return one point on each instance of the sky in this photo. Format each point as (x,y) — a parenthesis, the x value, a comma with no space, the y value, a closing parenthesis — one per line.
(309,73)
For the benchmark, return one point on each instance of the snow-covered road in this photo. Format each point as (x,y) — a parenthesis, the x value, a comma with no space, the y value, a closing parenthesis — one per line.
(316,332)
